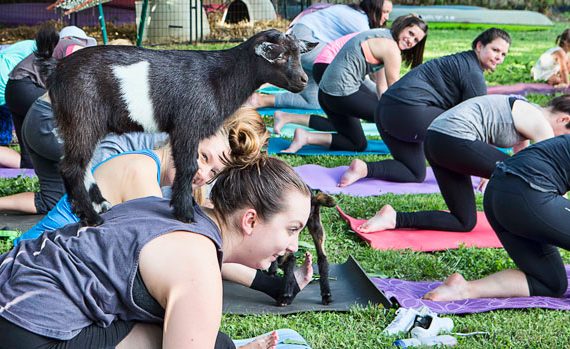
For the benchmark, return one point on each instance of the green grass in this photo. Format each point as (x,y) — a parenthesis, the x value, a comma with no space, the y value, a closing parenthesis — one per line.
(361,328)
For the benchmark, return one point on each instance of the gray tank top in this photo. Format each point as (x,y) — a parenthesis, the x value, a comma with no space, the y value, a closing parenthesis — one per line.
(347,71)
(73,277)
(485,118)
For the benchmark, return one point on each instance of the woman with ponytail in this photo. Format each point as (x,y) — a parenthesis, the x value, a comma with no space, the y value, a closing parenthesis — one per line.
(25,83)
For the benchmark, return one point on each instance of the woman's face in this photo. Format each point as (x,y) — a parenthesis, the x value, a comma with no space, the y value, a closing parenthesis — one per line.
(279,235)
(386,9)
(409,37)
(210,153)
(492,54)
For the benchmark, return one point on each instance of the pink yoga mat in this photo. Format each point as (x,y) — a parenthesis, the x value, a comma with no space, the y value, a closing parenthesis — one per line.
(426,240)
(15,172)
(326,179)
(526,88)
(409,294)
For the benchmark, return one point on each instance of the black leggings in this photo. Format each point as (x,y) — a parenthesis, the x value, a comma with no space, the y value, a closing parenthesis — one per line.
(318,122)
(454,161)
(530,224)
(20,94)
(403,128)
(345,112)
(96,337)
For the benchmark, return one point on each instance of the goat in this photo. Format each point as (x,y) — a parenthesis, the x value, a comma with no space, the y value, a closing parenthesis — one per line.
(187,94)
(315,229)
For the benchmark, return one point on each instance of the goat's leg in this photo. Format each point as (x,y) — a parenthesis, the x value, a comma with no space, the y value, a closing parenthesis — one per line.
(289,282)
(100,204)
(73,167)
(273,268)
(185,154)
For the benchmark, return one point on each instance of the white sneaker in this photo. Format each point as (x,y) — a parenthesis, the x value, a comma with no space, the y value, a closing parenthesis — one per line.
(405,319)
(431,326)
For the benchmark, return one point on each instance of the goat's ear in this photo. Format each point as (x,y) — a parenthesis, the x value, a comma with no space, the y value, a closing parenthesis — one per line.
(270,51)
(306,46)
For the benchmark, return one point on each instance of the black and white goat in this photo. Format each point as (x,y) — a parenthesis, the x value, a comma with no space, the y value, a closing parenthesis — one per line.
(187,94)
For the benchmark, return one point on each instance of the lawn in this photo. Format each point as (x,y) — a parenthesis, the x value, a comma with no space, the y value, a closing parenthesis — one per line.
(361,328)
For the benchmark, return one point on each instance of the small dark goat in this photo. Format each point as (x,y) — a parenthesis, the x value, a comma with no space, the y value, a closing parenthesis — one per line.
(315,229)
(187,94)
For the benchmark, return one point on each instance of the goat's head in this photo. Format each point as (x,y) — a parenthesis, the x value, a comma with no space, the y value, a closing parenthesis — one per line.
(281,54)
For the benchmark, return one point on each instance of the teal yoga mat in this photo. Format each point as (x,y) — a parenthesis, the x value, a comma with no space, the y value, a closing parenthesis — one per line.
(271,111)
(288,130)
(276,145)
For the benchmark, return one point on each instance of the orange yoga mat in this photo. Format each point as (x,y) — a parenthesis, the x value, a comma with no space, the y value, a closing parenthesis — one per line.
(426,240)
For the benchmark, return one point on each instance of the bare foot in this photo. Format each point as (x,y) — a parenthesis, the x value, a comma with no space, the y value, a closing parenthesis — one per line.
(357,170)
(300,139)
(264,342)
(253,101)
(455,287)
(382,220)
(279,120)
(304,274)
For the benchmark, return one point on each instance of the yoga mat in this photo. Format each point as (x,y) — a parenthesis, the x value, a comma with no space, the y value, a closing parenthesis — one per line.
(409,293)
(289,130)
(15,172)
(349,286)
(326,179)
(427,240)
(526,88)
(276,145)
(20,222)
(271,111)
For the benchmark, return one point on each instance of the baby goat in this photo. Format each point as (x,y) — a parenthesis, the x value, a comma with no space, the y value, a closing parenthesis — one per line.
(315,228)
(187,94)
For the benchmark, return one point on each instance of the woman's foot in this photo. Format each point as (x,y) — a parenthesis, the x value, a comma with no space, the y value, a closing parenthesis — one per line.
(382,220)
(304,274)
(300,139)
(279,120)
(253,101)
(264,342)
(455,287)
(356,171)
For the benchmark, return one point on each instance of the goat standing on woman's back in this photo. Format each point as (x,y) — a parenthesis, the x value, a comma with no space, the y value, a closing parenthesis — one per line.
(185,93)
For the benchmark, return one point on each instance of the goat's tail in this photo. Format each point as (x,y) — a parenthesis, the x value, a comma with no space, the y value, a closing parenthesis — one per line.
(46,40)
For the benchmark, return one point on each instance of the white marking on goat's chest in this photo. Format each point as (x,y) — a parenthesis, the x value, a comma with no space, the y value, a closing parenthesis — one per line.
(135,91)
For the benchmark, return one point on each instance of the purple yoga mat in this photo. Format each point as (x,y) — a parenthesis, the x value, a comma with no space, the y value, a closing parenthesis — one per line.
(409,293)
(15,172)
(526,88)
(326,179)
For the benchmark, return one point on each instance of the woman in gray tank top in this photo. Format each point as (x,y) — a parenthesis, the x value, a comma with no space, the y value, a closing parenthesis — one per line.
(377,53)
(84,278)
(462,142)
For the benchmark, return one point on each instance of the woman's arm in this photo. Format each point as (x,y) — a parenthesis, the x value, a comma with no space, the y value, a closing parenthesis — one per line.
(381,83)
(530,122)
(562,59)
(386,51)
(181,272)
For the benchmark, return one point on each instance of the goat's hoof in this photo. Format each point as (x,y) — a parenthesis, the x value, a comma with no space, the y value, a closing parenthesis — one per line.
(327,299)
(102,207)
(285,300)
(185,216)
(92,221)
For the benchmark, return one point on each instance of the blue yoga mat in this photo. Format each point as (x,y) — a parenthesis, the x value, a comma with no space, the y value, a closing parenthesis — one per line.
(271,111)
(288,130)
(276,145)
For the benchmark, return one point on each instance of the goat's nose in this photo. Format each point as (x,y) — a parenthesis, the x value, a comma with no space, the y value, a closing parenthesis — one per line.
(304,78)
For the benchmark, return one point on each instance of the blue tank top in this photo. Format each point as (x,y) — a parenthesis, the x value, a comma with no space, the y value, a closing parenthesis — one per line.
(545,166)
(76,276)
(62,213)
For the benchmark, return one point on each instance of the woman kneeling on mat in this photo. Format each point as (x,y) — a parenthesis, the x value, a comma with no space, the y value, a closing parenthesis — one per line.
(553,66)
(409,106)
(144,279)
(524,204)
(460,143)
(377,52)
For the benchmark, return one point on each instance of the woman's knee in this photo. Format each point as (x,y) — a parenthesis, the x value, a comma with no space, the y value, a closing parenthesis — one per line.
(553,287)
